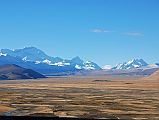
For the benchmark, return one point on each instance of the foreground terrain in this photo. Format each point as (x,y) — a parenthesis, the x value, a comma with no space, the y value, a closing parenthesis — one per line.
(84,97)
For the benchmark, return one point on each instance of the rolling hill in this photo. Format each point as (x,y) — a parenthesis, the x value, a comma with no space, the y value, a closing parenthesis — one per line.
(14,72)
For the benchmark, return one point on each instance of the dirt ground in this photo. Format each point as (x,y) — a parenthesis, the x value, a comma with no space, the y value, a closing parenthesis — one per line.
(84,97)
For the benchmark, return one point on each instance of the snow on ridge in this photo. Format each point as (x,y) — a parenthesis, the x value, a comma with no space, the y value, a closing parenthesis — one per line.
(47,61)
(119,66)
(78,67)
(128,68)
(58,64)
(25,58)
(37,62)
(136,66)
(3,54)
(89,68)
(61,64)
(129,62)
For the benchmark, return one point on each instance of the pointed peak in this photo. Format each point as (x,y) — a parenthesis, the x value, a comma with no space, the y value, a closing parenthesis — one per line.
(77,57)
(77,60)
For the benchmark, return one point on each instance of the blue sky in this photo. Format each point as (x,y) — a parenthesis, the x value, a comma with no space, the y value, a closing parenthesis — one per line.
(104,31)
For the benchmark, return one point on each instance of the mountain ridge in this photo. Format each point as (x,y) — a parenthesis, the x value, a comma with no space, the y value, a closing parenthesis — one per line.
(135,63)
(31,57)
(36,59)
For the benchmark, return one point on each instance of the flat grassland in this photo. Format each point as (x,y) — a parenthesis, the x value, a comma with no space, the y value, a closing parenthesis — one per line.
(83,97)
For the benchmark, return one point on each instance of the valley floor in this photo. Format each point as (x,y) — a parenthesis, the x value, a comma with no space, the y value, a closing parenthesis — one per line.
(83,97)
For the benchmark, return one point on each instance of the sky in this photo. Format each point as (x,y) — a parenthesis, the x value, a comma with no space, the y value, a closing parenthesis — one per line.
(102,31)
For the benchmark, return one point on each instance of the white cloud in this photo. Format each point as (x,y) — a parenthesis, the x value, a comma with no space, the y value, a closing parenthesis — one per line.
(96,30)
(134,33)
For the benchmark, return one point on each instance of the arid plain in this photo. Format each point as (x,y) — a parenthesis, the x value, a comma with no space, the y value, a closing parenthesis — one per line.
(83,97)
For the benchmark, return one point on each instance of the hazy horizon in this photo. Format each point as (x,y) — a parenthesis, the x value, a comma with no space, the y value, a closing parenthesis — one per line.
(102,31)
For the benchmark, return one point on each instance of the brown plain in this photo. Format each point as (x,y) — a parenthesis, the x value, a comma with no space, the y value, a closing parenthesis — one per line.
(84,97)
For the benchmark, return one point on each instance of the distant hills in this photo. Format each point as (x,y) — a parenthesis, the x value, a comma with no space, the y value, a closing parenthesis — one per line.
(154,76)
(35,59)
(14,72)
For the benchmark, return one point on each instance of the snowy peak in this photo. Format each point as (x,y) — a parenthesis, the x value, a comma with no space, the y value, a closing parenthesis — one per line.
(139,62)
(135,63)
(88,65)
(27,53)
(32,54)
(38,57)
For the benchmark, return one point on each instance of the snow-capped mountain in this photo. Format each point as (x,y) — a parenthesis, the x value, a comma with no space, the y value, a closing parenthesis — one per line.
(37,58)
(135,63)
(88,65)
(106,67)
(30,54)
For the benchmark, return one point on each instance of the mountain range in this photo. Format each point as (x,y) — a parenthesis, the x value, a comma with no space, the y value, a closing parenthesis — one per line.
(35,59)
(132,64)
(135,63)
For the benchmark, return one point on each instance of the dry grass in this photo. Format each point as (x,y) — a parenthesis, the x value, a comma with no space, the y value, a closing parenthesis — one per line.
(91,97)
(4,108)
